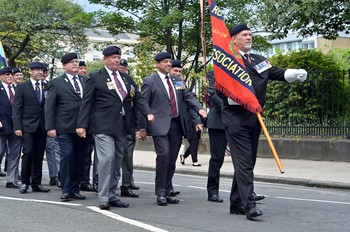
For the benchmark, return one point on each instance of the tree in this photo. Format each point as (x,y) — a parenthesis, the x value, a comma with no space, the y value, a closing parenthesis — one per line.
(172,25)
(40,28)
(323,17)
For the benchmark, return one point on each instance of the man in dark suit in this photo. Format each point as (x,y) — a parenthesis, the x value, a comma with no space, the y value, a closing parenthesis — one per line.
(242,127)
(61,112)
(108,102)
(128,184)
(9,142)
(168,98)
(29,123)
(217,139)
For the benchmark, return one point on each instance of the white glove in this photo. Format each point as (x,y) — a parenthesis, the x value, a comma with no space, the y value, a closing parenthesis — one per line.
(232,102)
(291,75)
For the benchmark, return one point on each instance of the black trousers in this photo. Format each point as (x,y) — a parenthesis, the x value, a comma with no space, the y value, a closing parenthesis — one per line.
(167,148)
(218,142)
(243,142)
(193,148)
(72,154)
(32,158)
(88,160)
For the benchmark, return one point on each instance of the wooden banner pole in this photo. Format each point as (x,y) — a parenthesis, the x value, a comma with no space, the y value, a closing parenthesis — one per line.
(269,141)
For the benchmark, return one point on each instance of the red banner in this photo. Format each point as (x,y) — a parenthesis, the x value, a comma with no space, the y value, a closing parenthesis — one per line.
(231,77)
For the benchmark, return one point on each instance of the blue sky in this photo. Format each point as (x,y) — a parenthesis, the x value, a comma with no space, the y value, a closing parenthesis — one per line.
(88,6)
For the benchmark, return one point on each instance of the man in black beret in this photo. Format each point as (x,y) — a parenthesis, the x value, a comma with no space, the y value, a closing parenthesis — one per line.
(168,96)
(242,127)
(82,68)
(64,98)
(17,76)
(106,109)
(176,68)
(29,123)
(9,142)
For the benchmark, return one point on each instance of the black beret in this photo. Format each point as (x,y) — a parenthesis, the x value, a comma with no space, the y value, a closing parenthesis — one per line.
(111,50)
(5,70)
(68,57)
(45,66)
(162,56)
(176,64)
(82,63)
(124,63)
(238,28)
(35,65)
(16,70)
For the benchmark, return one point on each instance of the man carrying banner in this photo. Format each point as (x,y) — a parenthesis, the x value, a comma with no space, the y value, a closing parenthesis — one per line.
(242,126)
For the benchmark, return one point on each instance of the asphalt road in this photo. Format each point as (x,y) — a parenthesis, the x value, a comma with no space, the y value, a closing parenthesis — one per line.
(286,208)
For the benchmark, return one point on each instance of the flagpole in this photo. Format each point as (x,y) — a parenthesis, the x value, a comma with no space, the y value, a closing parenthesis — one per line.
(269,141)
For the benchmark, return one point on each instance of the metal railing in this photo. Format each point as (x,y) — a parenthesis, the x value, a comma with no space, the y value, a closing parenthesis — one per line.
(318,107)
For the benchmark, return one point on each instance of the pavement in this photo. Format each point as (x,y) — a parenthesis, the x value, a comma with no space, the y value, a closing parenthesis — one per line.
(328,174)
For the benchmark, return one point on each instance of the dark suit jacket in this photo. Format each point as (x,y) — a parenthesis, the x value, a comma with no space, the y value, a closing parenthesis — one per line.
(214,120)
(103,106)
(5,112)
(28,113)
(157,97)
(233,115)
(62,105)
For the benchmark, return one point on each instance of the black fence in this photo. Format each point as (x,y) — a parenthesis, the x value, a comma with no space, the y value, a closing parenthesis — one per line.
(318,107)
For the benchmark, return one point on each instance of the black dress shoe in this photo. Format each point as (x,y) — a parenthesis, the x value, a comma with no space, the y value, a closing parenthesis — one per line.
(119,204)
(182,159)
(134,187)
(104,205)
(128,193)
(215,198)
(77,196)
(172,200)
(239,210)
(2,174)
(257,197)
(161,200)
(253,213)
(23,189)
(12,185)
(53,181)
(40,188)
(65,197)
(173,193)
(87,188)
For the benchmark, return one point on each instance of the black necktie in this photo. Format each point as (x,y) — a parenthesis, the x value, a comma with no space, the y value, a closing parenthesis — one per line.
(246,55)
(173,112)
(119,85)
(37,91)
(76,86)
(11,94)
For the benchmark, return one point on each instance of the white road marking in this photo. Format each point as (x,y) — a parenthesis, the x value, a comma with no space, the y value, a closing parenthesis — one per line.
(40,201)
(313,200)
(126,220)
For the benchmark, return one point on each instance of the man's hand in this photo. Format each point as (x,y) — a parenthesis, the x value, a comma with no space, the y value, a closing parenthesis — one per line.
(52,133)
(18,132)
(202,113)
(150,117)
(81,132)
(1,125)
(199,127)
(291,75)
(142,134)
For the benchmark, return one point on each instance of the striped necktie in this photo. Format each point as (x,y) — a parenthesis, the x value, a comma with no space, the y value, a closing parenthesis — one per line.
(173,112)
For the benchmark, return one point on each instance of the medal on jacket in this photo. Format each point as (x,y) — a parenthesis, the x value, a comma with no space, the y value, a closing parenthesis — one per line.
(262,66)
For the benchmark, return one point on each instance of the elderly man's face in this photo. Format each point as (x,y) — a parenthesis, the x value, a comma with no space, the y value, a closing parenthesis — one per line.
(112,62)
(82,70)
(6,78)
(243,40)
(17,78)
(164,66)
(175,71)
